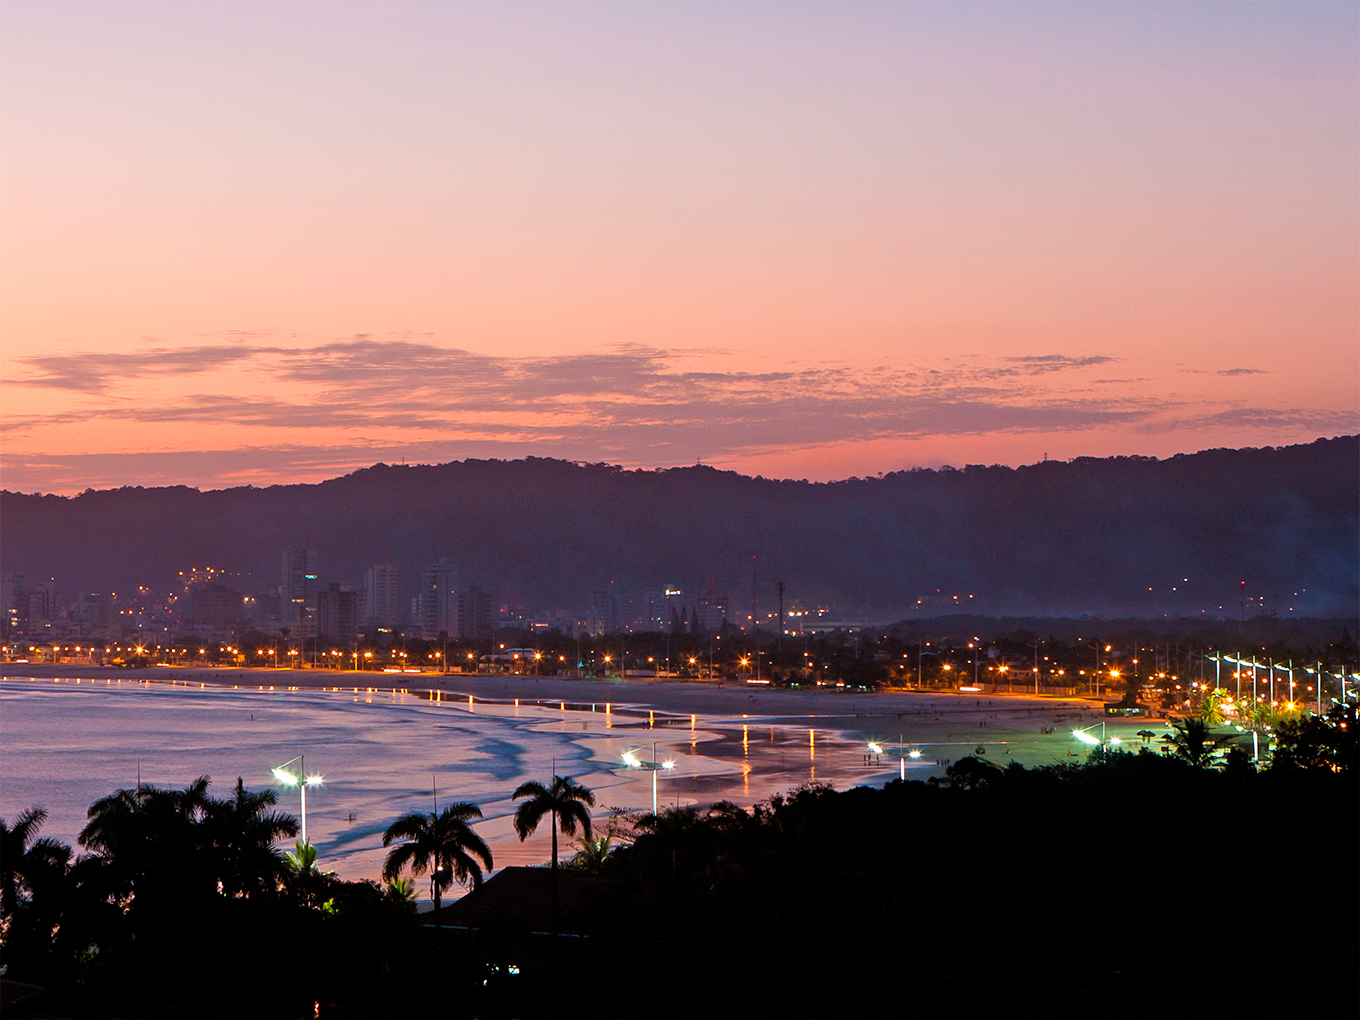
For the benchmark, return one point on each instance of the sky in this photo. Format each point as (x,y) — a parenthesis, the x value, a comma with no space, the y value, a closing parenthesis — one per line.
(252,243)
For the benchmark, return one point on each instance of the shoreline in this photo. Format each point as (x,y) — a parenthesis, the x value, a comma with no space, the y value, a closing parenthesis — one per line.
(731,741)
(681,697)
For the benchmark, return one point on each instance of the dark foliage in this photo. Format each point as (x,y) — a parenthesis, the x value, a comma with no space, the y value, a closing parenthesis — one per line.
(1129,885)
(1307,742)
(184,906)
(1006,892)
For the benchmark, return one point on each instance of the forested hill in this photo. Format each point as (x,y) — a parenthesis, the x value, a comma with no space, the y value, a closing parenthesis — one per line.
(1104,536)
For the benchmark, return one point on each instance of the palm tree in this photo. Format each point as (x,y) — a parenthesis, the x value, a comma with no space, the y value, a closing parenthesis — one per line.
(244,833)
(443,844)
(152,841)
(1194,742)
(592,855)
(303,879)
(1211,708)
(565,800)
(302,858)
(22,851)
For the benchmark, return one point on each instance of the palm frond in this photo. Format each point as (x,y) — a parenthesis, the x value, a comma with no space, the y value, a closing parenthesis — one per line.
(409,826)
(473,844)
(529,789)
(461,812)
(572,814)
(530,813)
(407,855)
(26,827)
(567,788)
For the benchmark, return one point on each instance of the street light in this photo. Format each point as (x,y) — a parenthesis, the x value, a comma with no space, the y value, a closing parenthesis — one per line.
(632,761)
(301,781)
(902,754)
(1086,738)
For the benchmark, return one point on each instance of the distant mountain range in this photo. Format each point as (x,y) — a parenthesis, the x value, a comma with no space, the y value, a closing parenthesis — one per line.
(1120,536)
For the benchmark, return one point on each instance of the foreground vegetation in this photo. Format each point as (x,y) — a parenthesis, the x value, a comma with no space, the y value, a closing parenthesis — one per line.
(1132,884)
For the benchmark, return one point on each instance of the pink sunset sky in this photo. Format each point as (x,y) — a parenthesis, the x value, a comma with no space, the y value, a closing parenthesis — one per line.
(249,243)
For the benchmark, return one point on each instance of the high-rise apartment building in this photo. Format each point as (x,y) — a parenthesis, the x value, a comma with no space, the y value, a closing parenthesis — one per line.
(603,615)
(653,613)
(28,606)
(298,582)
(337,614)
(477,613)
(380,595)
(439,600)
(215,605)
(711,611)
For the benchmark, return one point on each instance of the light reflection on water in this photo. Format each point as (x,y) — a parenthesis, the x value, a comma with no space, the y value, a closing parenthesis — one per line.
(68,742)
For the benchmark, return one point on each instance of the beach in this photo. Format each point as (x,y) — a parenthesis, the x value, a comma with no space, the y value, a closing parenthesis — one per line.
(389,743)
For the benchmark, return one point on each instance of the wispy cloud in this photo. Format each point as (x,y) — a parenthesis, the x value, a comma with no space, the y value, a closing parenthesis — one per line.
(1223,371)
(94,373)
(1037,364)
(367,383)
(359,399)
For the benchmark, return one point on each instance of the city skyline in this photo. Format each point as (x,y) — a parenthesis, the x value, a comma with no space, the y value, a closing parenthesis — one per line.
(259,244)
(1207,535)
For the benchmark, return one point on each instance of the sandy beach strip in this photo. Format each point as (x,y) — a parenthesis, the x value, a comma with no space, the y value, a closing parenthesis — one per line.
(674,696)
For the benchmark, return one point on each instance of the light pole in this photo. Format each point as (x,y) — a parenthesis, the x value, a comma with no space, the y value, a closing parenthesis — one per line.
(1317,683)
(301,781)
(632,761)
(1086,738)
(901,754)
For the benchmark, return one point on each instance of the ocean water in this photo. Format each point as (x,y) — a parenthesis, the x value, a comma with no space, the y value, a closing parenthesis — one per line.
(65,743)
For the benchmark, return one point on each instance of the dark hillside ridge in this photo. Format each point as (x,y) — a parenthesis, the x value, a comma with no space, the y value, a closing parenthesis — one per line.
(1109,537)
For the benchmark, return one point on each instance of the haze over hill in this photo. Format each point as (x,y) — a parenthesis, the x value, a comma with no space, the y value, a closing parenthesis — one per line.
(1120,536)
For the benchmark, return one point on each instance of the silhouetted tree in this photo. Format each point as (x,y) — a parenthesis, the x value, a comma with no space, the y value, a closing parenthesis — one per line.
(244,834)
(565,800)
(442,844)
(1192,741)
(152,846)
(23,853)
(1329,743)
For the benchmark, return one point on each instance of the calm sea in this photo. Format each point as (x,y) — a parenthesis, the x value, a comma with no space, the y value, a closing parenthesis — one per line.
(68,742)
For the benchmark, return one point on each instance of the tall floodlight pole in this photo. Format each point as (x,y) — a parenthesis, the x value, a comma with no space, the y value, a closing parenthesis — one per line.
(632,761)
(901,754)
(301,781)
(1086,738)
